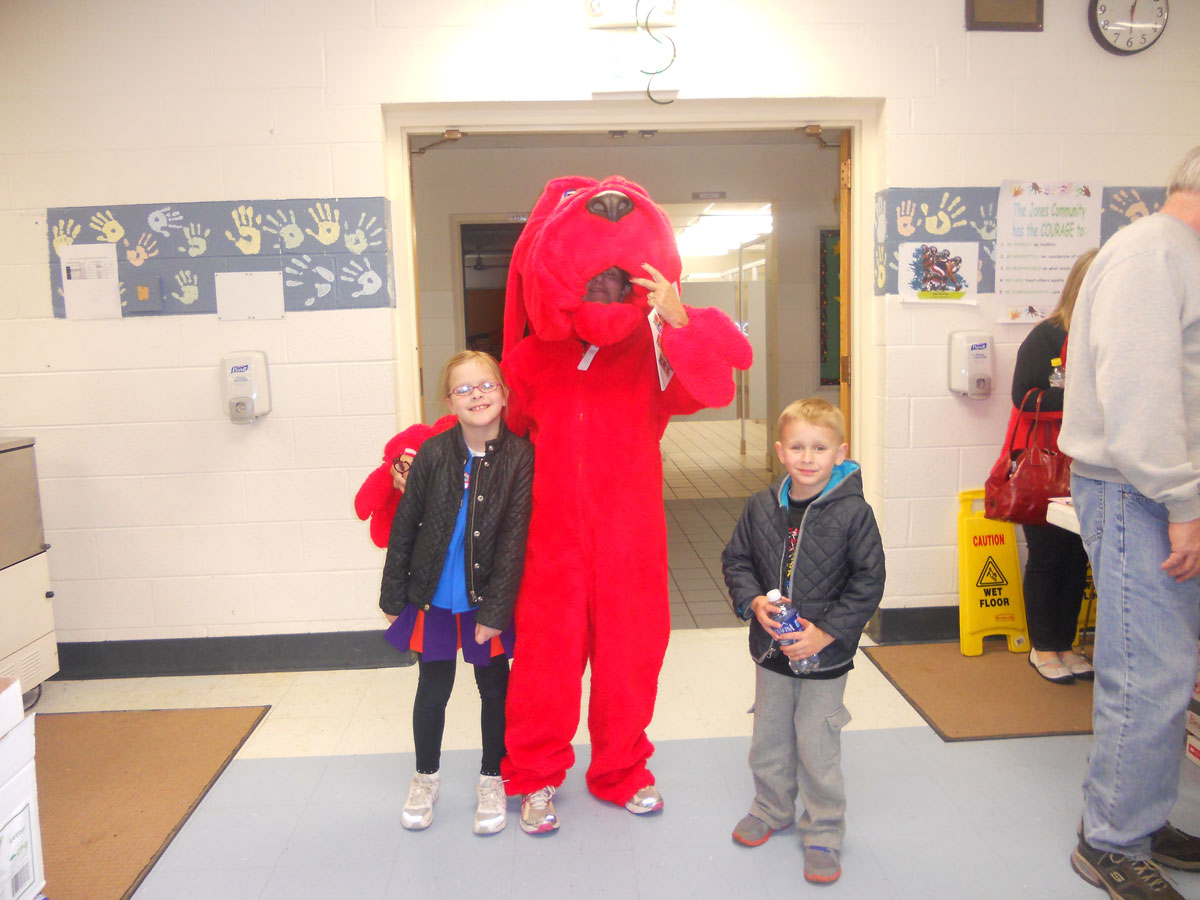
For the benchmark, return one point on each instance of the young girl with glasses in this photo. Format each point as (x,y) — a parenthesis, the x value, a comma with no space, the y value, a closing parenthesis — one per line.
(453,566)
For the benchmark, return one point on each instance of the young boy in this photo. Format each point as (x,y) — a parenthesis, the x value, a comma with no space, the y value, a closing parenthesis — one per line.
(813,537)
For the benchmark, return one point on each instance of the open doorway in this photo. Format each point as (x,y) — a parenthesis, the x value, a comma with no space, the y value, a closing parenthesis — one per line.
(485,250)
(782,169)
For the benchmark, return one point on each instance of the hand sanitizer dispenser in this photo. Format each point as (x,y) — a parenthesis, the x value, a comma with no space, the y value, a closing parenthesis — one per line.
(244,386)
(971,364)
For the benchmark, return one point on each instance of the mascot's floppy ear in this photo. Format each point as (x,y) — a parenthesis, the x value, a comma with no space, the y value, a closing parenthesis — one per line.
(515,313)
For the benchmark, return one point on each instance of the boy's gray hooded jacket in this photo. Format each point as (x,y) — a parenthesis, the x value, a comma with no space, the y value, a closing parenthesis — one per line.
(837,580)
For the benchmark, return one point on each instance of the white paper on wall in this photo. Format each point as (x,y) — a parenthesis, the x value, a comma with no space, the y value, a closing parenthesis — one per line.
(89,279)
(249,295)
(1042,229)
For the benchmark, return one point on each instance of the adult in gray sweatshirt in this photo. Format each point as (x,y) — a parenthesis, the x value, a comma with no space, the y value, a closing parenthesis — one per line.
(1131,421)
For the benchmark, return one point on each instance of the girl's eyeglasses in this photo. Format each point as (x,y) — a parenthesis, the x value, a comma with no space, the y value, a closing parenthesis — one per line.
(465,390)
(401,465)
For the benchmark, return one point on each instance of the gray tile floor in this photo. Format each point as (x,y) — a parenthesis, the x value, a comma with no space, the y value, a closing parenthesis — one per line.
(926,819)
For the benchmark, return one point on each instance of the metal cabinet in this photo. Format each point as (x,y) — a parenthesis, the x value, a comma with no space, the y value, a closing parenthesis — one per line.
(28,648)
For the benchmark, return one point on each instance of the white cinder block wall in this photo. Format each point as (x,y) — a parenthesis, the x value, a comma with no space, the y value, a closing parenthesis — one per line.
(167,521)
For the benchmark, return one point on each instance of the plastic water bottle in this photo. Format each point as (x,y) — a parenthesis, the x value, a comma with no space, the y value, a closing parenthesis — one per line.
(1058,374)
(789,621)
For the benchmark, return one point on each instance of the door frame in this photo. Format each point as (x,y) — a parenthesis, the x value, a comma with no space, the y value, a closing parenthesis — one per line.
(862,117)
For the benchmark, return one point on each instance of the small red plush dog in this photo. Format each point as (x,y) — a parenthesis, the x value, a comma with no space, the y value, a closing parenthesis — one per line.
(380,493)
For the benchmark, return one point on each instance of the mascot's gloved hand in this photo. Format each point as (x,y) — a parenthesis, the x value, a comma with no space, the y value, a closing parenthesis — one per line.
(379,495)
(702,352)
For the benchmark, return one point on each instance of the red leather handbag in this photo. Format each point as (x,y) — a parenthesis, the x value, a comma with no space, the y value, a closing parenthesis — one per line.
(1020,486)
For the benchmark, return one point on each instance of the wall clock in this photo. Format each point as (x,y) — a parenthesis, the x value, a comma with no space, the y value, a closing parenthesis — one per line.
(1125,27)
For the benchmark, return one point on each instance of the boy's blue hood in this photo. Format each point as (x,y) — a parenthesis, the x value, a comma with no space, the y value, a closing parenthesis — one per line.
(841,472)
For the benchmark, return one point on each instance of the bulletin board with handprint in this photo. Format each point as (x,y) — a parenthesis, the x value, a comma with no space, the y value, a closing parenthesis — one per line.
(908,215)
(331,253)
(831,306)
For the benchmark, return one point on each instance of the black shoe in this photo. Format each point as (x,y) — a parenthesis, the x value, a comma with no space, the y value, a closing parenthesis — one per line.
(1122,877)
(1175,849)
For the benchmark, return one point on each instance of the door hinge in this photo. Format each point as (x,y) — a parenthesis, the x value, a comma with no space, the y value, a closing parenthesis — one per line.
(844,374)
(845,174)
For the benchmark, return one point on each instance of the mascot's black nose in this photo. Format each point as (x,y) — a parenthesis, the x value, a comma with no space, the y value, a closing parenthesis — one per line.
(613,205)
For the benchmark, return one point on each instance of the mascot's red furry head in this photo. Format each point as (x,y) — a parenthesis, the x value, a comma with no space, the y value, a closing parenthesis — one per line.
(578,228)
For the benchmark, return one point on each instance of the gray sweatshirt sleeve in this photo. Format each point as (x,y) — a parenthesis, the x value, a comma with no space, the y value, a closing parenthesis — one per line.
(1136,343)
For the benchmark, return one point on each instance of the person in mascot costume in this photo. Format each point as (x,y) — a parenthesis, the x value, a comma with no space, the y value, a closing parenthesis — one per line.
(585,385)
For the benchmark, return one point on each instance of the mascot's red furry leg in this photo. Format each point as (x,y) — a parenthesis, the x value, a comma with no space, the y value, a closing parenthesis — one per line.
(608,606)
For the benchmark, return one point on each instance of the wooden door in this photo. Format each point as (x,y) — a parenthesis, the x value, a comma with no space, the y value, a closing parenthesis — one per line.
(845,333)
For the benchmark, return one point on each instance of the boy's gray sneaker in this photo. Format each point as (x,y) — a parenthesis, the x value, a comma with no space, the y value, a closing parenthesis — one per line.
(537,812)
(418,808)
(1124,878)
(1175,849)
(752,831)
(821,865)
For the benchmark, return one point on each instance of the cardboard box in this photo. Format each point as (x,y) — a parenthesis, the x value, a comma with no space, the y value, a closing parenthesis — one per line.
(1193,717)
(11,709)
(1192,750)
(22,868)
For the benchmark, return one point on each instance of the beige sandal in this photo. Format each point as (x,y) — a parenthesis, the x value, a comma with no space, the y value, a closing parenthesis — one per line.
(1053,671)
(1077,665)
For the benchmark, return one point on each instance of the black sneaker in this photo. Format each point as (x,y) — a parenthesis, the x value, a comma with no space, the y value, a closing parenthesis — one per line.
(1174,848)
(1122,877)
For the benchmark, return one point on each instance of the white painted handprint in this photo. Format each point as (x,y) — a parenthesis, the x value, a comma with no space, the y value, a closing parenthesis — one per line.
(162,220)
(306,275)
(368,279)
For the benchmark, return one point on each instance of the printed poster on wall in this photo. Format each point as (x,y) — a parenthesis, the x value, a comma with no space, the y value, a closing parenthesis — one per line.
(90,287)
(1042,229)
(942,272)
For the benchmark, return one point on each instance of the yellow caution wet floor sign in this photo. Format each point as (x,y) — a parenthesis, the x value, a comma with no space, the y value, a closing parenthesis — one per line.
(990,600)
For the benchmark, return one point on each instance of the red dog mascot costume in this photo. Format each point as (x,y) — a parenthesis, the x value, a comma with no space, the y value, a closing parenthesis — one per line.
(585,385)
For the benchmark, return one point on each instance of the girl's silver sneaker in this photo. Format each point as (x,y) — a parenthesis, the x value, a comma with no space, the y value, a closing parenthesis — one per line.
(491,815)
(418,808)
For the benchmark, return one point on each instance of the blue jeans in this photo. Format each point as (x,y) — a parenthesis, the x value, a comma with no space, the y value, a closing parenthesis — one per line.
(1145,657)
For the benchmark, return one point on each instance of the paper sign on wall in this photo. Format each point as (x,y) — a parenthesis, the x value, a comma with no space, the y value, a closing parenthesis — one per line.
(249,295)
(1043,228)
(89,281)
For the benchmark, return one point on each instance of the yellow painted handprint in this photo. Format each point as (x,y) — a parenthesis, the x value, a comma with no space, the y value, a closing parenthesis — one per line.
(197,241)
(110,230)
(904,218)
(880,266)
(189,288)
(249,239)
(367,234)
(986,226)
(1129,204)
(290,235)
(64,233)
(329,228)
(146,248)
(949,215)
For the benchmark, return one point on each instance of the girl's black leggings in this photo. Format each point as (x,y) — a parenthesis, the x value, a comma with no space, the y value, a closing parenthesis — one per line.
(434,684)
